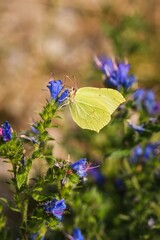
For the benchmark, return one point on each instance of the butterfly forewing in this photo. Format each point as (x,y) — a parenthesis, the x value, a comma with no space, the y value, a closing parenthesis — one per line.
(110,97)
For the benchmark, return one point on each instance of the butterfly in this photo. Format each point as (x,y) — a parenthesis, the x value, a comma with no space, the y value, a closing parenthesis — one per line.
(91,108)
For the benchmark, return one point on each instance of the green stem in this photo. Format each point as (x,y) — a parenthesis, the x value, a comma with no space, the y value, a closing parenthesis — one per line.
(24,206)
(24,219)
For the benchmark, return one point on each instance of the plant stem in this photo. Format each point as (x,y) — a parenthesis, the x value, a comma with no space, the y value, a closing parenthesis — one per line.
(25,206)
(24,219)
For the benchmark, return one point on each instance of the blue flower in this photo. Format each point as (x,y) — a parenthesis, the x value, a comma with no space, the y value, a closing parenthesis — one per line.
(146,99)
(149,100)
(150,150)
(63,96)
(80,167)
(31,139)
(116,74)
(55,207)
(138,128)
(55,88)
(34,128)
(34,236)
(106,65)
(56,91)
(97,175)
(77,235)
(145,153)
(6,131)
(138,97)
(137,154)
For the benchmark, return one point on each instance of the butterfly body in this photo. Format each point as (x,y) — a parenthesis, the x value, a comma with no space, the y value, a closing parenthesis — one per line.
(91,108)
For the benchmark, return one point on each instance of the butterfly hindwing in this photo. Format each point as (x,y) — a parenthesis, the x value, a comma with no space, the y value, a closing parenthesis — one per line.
(88,117)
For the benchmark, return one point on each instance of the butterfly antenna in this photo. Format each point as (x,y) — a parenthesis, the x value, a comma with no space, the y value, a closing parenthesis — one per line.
(43,89)
(72,80)
(51,76)
(68,158)
(75,82)
(125,60)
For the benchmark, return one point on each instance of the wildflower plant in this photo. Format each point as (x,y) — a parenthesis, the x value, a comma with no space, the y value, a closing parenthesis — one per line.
(49,206)
(110,192)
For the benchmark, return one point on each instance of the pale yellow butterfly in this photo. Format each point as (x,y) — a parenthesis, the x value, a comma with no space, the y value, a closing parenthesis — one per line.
(91,108)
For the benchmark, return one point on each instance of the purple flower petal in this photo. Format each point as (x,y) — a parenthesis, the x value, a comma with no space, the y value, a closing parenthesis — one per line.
(6,131)
(56,91)
(63,96)
(116,74)
(55,88)
(80,167)
(77,235)
(55,207)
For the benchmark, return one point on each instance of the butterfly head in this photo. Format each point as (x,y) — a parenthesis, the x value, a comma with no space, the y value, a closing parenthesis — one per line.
(72,94)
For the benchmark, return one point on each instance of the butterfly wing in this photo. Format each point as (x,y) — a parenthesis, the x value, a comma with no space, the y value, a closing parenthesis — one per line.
(88,117)
(91,108)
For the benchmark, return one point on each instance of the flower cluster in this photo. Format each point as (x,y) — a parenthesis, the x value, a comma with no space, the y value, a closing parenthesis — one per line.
(115,74)
(55,207)
(143,154)
(57,91)
(6,131)
(146,99)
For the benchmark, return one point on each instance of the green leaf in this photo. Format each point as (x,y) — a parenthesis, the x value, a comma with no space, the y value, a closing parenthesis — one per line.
(4,200)
(124,217)
(38,196)
(40,127)
(36,154)
(52,223)
(9,205)
(21,178)
(14,209)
